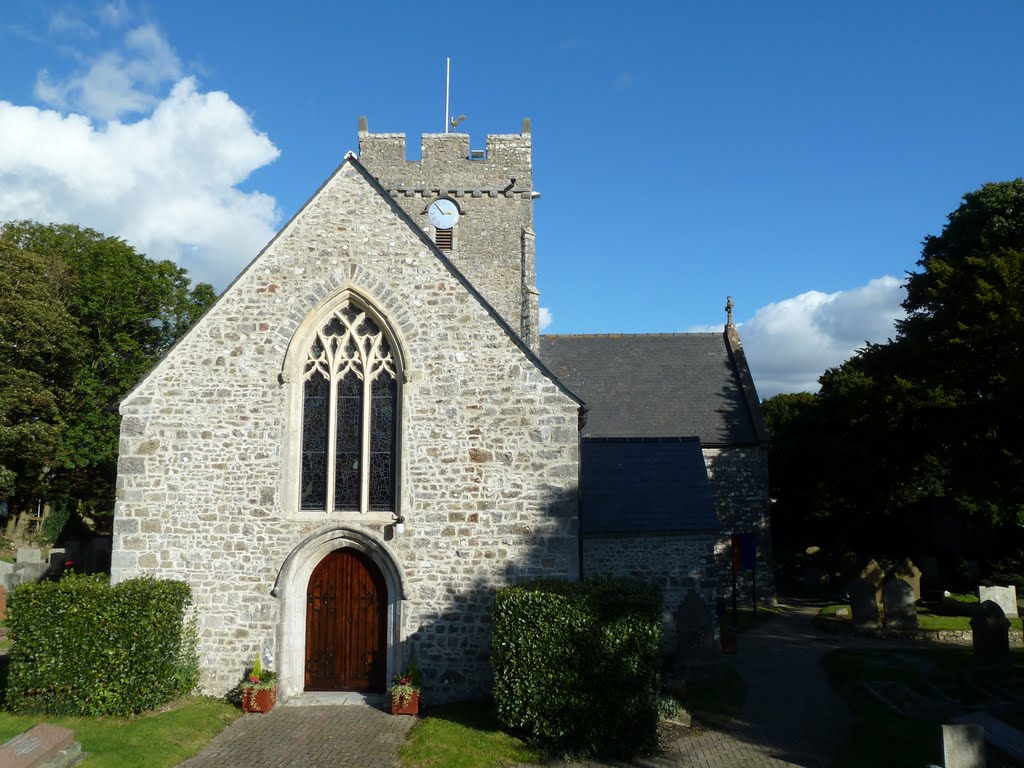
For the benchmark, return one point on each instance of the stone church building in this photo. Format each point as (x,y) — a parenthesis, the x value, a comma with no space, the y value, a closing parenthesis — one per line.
(367,435)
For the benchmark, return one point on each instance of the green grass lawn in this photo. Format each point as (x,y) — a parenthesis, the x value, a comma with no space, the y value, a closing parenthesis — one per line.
(931,617)
(153,740)
(878,735)
(463,736)
(470,736)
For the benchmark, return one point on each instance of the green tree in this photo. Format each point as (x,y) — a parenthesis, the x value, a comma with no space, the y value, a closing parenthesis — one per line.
(964,337)
(936,412)
(125,311)
(37,352)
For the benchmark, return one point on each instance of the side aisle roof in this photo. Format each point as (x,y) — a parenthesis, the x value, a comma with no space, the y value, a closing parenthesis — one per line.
(661,385)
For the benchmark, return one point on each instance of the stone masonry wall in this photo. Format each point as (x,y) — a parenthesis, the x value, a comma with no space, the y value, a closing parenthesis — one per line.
(739,482)
(493,241)
(675,564)
(488,448)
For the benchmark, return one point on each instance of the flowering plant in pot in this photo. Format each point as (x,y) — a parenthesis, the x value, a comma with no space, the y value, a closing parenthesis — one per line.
(406,692)
(259,690)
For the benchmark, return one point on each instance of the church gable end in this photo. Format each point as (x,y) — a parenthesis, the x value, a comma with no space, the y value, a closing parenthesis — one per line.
(351,390)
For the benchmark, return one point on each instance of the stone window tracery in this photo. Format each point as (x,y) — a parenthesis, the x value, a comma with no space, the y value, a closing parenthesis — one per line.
(349,416)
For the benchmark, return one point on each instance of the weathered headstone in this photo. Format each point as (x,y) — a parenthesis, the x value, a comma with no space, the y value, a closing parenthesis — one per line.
(864,605)
(1004,597)
(30,555)
(963,746)
(874,574)
(900,611)
(911,574)
(41,745)
(931,581)
(991,636)
(695,640)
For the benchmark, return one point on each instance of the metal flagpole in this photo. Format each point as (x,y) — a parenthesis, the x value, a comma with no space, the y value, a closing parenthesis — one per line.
(447,90)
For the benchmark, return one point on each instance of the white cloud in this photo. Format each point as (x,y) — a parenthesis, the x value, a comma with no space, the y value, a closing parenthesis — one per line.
(65,22)
(546,318)
(116,83)
(115,13)
(166,183)
(790,343)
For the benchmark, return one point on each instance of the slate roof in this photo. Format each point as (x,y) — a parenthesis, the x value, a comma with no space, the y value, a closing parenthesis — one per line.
(660,385)
(644,486)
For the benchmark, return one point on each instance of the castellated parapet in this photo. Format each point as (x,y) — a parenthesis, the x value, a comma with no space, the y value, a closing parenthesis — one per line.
(493,243)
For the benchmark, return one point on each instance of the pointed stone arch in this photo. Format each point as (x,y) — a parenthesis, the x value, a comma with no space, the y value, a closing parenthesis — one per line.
(290,589)
(292,378)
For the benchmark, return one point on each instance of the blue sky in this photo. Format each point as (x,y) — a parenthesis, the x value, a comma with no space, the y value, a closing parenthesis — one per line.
(792,155)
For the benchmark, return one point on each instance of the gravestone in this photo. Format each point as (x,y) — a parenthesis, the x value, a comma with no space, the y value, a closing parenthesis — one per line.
(30,555)
(42,745)
(963,746)
(911,574)
(864,605)
(1004,597)
(931,581)
(874,574)
(991,636)
(900,611)
(695,640)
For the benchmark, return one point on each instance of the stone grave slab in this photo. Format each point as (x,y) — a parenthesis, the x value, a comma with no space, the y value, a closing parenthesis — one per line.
(907,702)
(41,745)
(864,605)
(963,746)
(1004,597)
(900,611)
(1000,735)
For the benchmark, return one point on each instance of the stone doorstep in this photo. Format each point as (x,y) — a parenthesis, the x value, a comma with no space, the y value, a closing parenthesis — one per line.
(42,746)
(1000,735)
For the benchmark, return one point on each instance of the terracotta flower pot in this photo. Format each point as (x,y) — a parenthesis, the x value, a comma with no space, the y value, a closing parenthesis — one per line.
(258,701)
(411,707)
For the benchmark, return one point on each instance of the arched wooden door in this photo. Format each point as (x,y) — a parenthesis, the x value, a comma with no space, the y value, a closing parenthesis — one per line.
(346,622)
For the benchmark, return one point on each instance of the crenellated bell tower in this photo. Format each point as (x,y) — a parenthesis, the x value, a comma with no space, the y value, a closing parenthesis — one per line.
(477,207)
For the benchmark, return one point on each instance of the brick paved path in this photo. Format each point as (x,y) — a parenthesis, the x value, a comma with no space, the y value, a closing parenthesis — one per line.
(308,737)
(791,719)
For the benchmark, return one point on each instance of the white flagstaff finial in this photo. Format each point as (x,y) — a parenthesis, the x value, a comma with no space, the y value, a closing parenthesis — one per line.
(447,90)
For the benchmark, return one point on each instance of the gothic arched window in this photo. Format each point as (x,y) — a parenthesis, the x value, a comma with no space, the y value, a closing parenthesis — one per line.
(349,416)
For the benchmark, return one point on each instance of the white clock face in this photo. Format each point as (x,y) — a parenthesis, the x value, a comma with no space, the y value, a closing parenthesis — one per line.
(443,213)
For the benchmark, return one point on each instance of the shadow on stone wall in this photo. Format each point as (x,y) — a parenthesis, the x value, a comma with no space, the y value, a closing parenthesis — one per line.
(453,647)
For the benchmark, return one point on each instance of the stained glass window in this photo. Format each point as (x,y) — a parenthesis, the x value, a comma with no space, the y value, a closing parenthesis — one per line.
(348,442)
(314,442)
(382,442)
(349,421)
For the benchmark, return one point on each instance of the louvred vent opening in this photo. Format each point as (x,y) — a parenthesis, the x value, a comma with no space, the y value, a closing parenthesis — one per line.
(443,238)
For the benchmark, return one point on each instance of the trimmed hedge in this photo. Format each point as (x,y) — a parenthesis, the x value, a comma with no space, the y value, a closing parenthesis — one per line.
(576,664)
(83,647)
